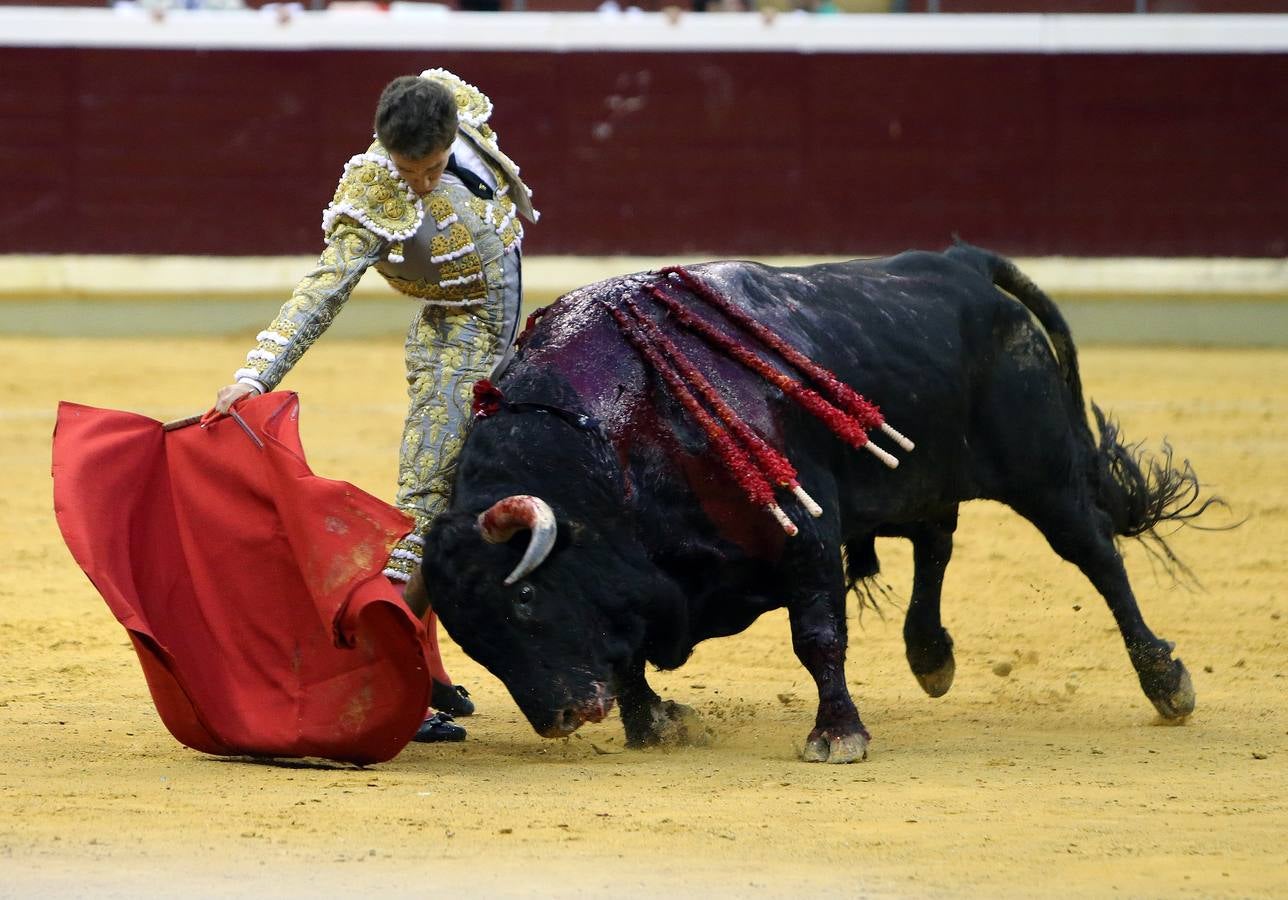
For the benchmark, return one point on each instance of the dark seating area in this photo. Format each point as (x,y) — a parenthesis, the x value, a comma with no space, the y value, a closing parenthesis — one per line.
(852,6)
(1092,6)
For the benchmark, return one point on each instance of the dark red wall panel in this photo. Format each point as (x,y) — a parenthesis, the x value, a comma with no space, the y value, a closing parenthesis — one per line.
(237,152)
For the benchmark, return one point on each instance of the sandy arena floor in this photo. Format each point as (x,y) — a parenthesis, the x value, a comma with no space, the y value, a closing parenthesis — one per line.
(1054,780)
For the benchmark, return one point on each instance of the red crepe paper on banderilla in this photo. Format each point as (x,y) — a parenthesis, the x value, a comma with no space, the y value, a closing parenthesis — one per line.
(250,587)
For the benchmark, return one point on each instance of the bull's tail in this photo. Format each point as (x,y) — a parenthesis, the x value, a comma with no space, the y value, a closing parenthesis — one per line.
(1142,490)
(1007,275)
(1138,489)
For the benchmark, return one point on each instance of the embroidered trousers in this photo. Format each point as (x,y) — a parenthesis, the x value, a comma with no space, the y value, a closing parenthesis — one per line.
(448,349)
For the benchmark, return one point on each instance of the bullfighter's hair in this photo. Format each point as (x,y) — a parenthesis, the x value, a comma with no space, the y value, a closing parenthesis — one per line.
(416,117)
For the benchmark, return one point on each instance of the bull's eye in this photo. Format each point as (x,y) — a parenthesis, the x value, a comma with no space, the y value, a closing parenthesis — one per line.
(524,607)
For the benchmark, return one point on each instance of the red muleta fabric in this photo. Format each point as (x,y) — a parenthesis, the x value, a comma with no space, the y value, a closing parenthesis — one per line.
(250,587)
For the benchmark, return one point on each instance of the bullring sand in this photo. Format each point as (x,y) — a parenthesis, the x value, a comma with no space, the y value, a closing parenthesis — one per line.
(1051,780)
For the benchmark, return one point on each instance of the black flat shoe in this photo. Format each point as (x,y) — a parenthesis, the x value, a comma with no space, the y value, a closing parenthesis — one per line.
(439,727)
(451,698)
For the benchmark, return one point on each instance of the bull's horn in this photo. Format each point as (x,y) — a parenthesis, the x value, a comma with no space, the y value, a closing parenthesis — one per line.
(499,522)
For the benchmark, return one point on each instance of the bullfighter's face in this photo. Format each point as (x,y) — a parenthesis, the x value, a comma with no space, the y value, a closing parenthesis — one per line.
(422,174)
(558,637)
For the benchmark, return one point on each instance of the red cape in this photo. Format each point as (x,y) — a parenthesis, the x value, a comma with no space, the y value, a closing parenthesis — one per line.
(251,588)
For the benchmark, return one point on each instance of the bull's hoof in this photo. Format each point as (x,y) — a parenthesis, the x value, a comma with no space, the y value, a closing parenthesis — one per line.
(931,659)
(847,748)
(937,683)
(669,724)
(1165,681)
(1174,698)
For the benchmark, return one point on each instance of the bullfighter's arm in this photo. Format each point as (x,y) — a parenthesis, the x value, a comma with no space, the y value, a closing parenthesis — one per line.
(316,301)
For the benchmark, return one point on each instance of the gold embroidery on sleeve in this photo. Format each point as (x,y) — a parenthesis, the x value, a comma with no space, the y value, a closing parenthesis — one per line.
(316,301)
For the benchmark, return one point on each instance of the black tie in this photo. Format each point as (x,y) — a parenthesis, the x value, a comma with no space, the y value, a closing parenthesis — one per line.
(475,185)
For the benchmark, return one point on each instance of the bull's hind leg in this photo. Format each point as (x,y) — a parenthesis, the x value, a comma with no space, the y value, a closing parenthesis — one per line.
(928,646)
(817,613)
(1085,538)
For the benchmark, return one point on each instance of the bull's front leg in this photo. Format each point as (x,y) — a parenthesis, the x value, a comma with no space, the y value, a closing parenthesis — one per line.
(648,719)
(819,639)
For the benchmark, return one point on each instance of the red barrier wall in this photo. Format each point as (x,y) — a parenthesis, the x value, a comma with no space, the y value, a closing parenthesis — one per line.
(237,152)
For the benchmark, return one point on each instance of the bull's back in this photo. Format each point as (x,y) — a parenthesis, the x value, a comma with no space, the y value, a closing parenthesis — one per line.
(863,317)
(910,332)
(936,346)
(918,334)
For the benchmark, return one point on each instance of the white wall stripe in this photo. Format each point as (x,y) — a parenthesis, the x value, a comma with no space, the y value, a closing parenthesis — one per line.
(427,29)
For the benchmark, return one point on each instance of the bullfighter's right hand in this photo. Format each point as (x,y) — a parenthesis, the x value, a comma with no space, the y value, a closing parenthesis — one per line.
(229,395)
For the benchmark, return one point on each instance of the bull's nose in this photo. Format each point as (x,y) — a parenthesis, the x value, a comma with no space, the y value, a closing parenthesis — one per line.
(568,719)
(563,723)
(598,710)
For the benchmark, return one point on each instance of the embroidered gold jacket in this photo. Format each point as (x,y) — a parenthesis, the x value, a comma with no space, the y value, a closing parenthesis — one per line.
(433,249)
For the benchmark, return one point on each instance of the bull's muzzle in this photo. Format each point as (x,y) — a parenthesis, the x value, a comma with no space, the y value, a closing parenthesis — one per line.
(570,718)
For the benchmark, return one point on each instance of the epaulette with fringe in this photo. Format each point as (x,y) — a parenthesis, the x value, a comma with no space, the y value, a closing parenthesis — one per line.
(372,193)
(473,108)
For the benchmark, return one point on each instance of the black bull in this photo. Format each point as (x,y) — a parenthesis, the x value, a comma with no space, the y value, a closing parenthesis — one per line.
(655,548)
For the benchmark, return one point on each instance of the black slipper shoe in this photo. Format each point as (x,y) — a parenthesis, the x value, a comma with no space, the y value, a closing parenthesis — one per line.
(439,727)
(451,698)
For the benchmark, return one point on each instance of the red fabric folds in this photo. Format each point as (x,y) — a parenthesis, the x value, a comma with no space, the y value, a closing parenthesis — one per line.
(251,588)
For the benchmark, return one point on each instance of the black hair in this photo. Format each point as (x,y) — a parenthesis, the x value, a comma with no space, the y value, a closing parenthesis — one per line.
(416,117)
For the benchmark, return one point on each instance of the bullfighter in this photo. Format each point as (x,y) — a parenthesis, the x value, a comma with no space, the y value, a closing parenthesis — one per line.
(434,206)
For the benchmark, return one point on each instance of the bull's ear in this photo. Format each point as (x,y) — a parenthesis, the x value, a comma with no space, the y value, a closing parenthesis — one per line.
(574,533)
